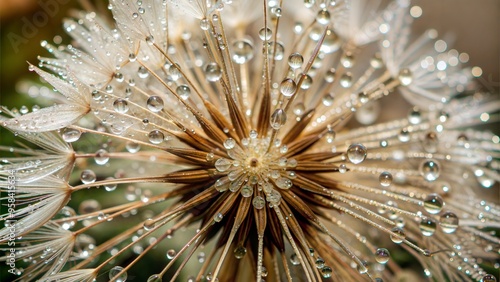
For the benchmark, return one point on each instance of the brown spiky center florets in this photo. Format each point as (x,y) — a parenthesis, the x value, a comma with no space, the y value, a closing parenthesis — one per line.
(255,163)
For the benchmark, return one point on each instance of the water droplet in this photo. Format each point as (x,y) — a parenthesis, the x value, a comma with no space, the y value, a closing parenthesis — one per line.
(278,119)
(376,62)
(433,203)
(155,104)
(87,176)
(404,135)
(218,217)
(346,80)
(239,252)
(429,169)
(150,40)
(213,72)
(183,91)
(229,143)
(427,226)
(71,135)
(405,77)
(210,157)
(320,263)
(330,135)
(385,179)
(174,71)
(323,17)
(222,164)
(401,235)
(294,259)
(246,191)
(101,157)
(448,222)
(283,183)
(295,60)
(142,72)
(265,33)
(347,60)
(66,212)
(84,245)
(132,147)
(171,253)
(115,271)
(154,278)
(288,87)
(382,255)
(414,116)
(326,272)
(356,153)
(258,202)
(149,224)
(156,136)
(488,278)
(120,105)
(242,51)
(342,168)
(430,142)
(204,24)
(110,186)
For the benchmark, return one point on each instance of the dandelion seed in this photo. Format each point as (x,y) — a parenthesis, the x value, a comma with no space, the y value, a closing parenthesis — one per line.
(217,129)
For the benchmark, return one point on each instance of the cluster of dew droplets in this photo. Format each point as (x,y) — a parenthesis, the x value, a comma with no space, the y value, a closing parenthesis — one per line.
(254,163)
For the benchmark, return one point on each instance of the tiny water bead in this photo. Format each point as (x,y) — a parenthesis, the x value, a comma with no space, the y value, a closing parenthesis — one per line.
(246,191)
(120,105)
(382,255)
(132,147)
(229,143)
(405,77)
(223,164)
(142,72)
(171,253)
(183,91)
(213,72)
(154,278)
(295,61)
(88,176)
(448,222)
(326,272)
(242,51)
(427,226)
(330,135)
(414,116)
(101,157)
(239,252)
(155,104)
(278,119)
(66,212)
(71,135)
(320,263)
(294,259)
(356,153)
(265,33)
(218,217)
(399,235)
(429,170)
(149,224)
(116,271)
(433,203)
(288,87)
(258,202)
(404,135)
(346,80)
(385,179)
(156,136)
(488,278)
